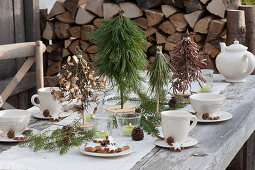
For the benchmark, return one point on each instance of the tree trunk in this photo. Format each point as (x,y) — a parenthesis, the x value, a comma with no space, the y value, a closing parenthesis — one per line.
(236,26)
(121,98)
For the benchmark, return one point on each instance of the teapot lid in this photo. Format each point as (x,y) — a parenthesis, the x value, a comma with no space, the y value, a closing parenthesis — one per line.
(236,47)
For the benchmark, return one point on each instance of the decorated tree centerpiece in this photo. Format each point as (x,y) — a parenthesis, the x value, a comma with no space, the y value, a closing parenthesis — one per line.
(121,54)
(159,74)
(186,64)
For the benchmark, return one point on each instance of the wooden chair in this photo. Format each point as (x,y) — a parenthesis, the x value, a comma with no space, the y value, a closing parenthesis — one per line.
(34,53)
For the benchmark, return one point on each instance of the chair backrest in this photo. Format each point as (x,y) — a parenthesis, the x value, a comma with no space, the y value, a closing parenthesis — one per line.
(34,51)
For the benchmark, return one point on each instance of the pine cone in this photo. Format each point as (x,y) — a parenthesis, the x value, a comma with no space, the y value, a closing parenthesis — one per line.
(205,116)
(46,113)
(11,134)
(138,110)
(137,134)
(170,140)
(66,128)
(66,140)
(172,102)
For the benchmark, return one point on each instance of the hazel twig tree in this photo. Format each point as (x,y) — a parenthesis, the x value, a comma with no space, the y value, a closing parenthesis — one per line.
(159,74)
(186,64)
(121,52)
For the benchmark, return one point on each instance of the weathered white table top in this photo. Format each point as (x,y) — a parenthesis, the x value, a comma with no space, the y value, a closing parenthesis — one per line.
(218,142)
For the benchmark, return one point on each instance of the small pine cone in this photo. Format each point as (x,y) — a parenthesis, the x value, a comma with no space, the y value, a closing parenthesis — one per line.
(172,102)
(66,128)
(11,134)
(137,134)
(46,113)
(138,110)
(170,140)
(66,140)
(205,116)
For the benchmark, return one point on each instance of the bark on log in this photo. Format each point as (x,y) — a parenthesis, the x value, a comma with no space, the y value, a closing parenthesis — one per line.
(236,28)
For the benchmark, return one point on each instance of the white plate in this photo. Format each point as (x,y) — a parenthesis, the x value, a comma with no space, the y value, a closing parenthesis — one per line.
(39,115)
(222,114)
(126,152)
(188,143)
(5,139)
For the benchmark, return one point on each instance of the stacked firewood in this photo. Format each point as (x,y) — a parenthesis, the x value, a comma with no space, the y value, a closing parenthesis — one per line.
(165,21)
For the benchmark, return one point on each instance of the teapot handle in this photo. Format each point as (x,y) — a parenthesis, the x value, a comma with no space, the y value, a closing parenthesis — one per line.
(251,63)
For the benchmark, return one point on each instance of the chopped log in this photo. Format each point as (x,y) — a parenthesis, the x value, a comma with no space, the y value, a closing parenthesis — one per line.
(97,21)
(168,10)
(174,38)
(84,16)
(199,38)
(72,5)
(215,28)
(160,38)
(175,3)
(56,10)
(249,11)
(49,33)
(209,61)
(96,7)
(51,81)
(167,27)
(55,55)
(169,46)
(232,4)
(54,46)
(110,9)
(84,45)
(179,21)
(192,5)
(216,42)
(150,31)
(65,52)
(210,49)
(131,10)
(151,38)
(85,56)
(65,17)
(85,29)
(202,25)
(152,59)
(141,22)
(73,46)
(92,49)
(68,42)
(236,28)
(154,17)
(75,31)
(216,7)
(53,68)
(193,17)
(200,46)
(152,50)
(148,4)
(61,30)
(204,1)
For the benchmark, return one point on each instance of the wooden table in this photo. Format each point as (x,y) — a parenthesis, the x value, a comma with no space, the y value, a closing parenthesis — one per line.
(218,142)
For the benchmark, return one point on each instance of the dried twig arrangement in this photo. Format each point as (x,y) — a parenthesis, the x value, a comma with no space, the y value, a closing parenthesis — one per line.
(186,64)
(77,80)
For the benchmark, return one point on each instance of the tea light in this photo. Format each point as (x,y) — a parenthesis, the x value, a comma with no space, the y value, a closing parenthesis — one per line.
(127,129)
(207,74)
(101,134)
(206,88)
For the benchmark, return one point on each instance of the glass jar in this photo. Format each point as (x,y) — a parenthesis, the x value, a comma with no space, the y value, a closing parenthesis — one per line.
(102,124)
(127,121)
(207,74)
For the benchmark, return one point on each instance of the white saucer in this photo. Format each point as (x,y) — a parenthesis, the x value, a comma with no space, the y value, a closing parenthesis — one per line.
(5,139)
(222,114)
(39,115)
(117,154)
(188,143)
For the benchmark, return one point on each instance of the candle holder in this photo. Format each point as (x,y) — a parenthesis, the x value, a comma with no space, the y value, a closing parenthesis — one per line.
(102,124)
(127,121)
(207,74)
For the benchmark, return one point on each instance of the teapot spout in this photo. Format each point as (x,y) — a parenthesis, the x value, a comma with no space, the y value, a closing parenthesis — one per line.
(222,47)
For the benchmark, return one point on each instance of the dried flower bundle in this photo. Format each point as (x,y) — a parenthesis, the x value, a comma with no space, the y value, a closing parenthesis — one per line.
(186,64)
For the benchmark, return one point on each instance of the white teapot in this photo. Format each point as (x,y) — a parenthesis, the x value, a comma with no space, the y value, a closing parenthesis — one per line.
(234,62)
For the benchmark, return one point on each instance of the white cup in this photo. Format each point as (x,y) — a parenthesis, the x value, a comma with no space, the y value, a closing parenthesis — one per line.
(47,101)
(177,124)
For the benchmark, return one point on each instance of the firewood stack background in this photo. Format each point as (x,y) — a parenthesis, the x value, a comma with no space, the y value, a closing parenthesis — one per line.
(165,21)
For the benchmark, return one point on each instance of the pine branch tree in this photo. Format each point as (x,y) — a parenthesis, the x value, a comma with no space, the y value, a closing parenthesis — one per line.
(121,53)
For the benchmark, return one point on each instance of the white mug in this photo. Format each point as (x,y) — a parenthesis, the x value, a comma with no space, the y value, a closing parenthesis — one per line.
(47,101)
(177,124)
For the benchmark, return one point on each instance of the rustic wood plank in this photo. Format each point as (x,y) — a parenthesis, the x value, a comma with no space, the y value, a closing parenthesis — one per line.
(39,64)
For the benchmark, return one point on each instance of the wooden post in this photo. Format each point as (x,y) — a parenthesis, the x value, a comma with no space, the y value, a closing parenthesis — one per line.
(39,64)
(235,26)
